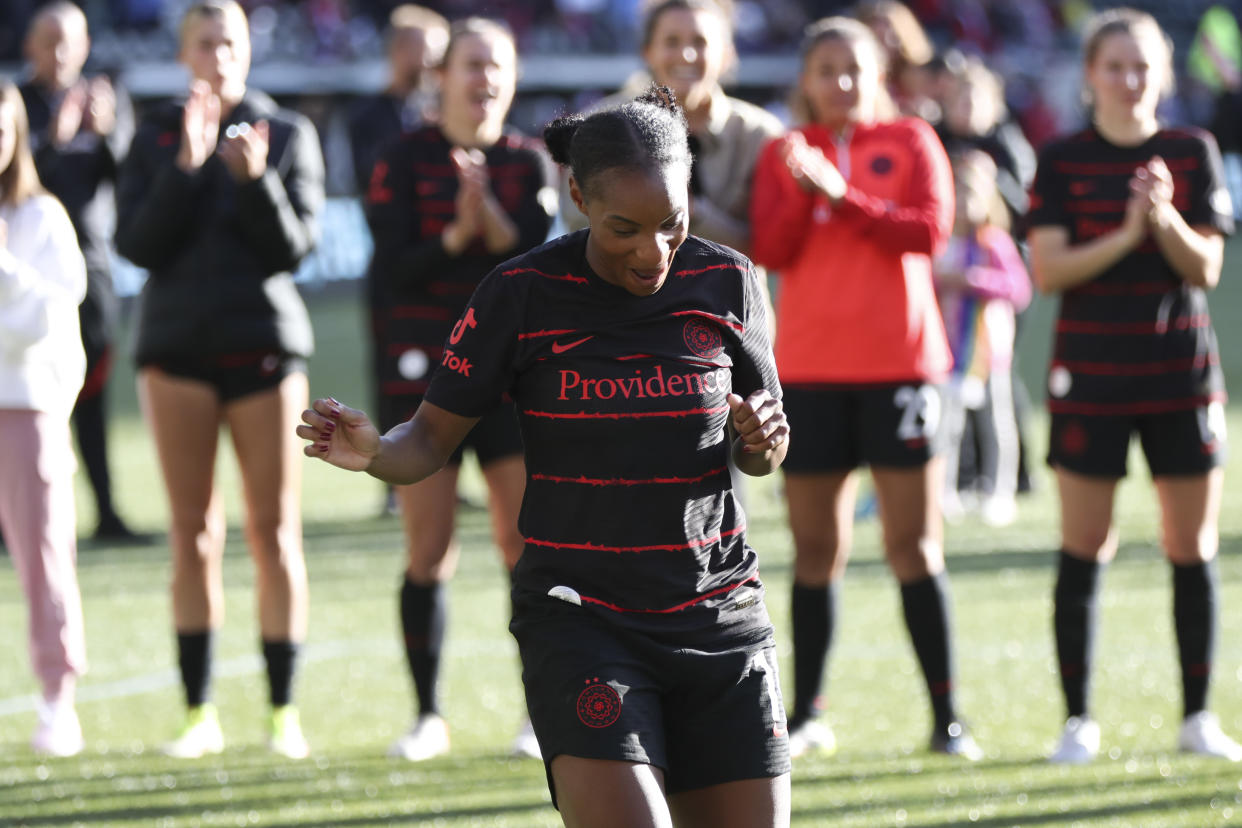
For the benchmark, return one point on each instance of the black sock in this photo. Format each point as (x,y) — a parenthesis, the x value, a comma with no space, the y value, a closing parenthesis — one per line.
(812,610)
(926,605)
(89,423)
(194,659)
(281,658)
(1194,620)
(1073,621)
(423,615)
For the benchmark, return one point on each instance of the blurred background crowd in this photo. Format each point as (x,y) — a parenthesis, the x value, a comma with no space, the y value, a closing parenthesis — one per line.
(317,55)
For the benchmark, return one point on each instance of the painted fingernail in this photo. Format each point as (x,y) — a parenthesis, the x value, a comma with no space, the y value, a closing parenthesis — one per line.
(330,426)
(323,449)
(326,437)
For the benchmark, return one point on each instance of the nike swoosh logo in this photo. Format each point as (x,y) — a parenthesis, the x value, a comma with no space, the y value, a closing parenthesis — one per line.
(558,348)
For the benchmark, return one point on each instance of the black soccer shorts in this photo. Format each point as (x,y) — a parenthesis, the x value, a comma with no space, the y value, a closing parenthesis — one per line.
(705,716)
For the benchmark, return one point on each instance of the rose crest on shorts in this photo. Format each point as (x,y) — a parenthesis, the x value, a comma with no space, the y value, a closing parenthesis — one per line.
(703,339)
(599,703)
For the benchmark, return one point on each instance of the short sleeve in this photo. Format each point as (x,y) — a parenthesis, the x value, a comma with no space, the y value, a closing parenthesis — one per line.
(1047,205)
(1209,202)
(478,366)
(754,365)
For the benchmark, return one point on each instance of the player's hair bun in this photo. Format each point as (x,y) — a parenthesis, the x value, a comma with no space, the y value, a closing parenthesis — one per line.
(559,135)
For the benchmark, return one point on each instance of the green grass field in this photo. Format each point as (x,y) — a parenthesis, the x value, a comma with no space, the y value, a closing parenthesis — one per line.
(354,690)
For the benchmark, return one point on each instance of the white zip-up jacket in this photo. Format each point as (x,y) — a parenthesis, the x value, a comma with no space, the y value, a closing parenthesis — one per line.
(42,282)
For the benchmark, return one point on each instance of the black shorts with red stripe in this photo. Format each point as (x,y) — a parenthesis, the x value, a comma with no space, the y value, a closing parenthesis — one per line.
(233,376)
(703,715)
(1175,443)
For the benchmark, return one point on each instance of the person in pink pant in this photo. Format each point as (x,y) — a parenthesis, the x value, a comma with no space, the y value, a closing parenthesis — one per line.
(42,365)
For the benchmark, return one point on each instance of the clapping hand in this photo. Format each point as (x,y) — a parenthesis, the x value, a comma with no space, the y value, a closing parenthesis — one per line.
(67,119)
(200,126)
(100,117)
(1151,193)
(811,169)
(244,150)
(472,184)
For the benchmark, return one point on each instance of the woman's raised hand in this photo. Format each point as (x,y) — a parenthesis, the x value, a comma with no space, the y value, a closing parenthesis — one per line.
(200,124)
(244,151)
(338,434)
(811,169)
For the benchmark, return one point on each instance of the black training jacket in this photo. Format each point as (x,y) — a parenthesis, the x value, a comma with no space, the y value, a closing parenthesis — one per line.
(220,254)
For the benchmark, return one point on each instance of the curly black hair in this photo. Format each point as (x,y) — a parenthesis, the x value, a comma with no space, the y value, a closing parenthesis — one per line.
(647,133)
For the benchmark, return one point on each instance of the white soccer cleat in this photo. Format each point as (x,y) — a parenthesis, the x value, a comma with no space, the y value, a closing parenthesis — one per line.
(998,511)
(285,733)
(1080,742)
(955,740)
(199,736)
(1201,734)
(812,737)
(526,744)
(58,733)
(427,739)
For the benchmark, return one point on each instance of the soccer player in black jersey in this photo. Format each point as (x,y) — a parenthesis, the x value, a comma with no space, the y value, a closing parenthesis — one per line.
(446,204)
(1127,219)
(639,359)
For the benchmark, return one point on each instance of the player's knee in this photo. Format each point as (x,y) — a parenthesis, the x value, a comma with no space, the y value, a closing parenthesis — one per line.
(1192,547)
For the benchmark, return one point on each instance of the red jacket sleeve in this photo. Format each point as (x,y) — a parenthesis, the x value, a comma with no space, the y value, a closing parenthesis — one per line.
(780,211)
(924,222)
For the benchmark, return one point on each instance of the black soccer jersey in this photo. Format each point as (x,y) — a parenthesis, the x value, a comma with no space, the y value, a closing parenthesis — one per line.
(621,399)
(1136,339)
(420,289)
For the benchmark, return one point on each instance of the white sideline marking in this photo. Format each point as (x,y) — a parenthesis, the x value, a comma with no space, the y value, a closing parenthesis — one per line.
(239,666)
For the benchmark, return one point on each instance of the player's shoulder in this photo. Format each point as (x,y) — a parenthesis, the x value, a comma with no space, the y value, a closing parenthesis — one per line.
(1188,139)
(556,261)
(520,145)
(1070,145)
(702,258)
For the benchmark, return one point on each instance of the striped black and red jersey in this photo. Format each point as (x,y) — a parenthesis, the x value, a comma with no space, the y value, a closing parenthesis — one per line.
(1136,339)
(621,400)
(421,290)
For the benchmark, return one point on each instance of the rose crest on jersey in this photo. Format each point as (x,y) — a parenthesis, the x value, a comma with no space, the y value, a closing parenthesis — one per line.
(703,339)
(599,704)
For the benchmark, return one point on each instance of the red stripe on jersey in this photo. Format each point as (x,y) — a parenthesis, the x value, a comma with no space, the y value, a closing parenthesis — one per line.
(722,590)
(632,356)
(624,415)
(1143,407)
(684,273)
(623,481)
(537,334)
(434,170)
(659,547)
(1124,289)
(1181,323)
(713,317)
(510,169)
(1139,369)
(420,312)
(1120,167)
(564,277)
(438,206)
(1094,206)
